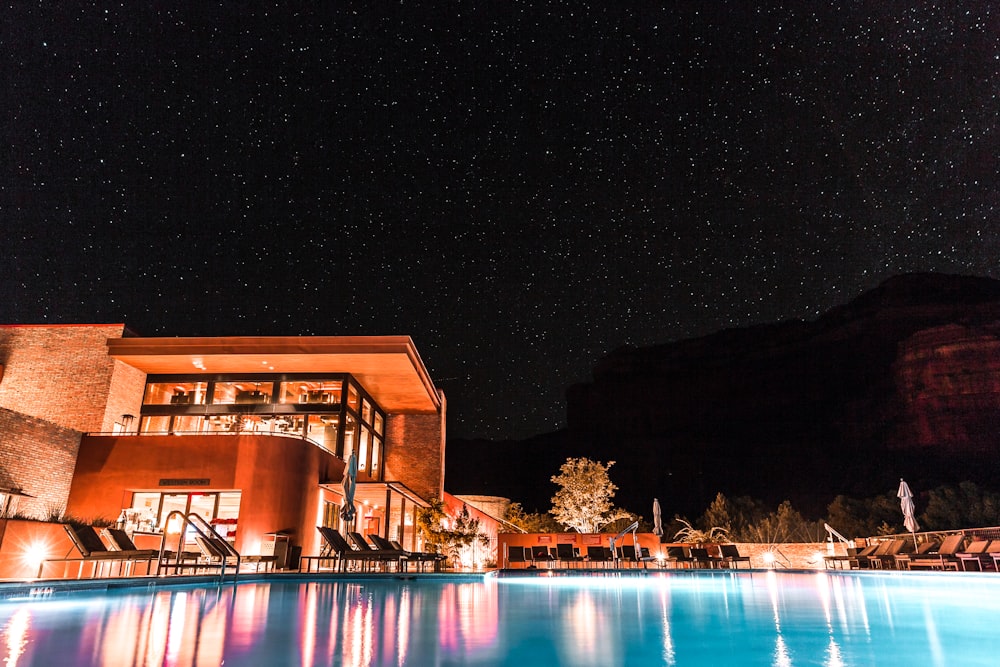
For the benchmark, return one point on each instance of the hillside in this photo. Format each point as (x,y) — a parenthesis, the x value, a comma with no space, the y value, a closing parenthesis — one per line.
(904,380)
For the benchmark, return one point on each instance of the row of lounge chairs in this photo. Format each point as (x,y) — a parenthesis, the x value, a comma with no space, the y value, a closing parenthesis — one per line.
(359,554)
(111,552)
(900,554)
(566,555)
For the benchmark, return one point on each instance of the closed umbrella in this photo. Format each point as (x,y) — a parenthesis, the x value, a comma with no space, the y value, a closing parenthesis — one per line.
(909,510)
(657,519)
(347,512)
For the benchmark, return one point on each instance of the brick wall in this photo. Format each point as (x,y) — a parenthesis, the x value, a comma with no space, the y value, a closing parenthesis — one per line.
(38,457)
(124,397)
(59,373)
(414,452)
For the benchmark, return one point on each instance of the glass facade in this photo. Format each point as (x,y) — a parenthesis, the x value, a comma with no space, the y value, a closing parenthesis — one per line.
(306,405)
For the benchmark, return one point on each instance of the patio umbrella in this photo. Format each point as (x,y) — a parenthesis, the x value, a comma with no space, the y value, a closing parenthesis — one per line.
(909,510)
(657,519)
(347,512)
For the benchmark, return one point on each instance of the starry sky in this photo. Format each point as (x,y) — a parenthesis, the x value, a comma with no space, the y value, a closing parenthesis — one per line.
(520,187)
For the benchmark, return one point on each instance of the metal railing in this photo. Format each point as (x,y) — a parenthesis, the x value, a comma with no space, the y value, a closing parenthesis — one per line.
(215,543)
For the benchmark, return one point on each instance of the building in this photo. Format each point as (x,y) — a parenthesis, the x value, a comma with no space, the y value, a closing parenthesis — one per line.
(251,433)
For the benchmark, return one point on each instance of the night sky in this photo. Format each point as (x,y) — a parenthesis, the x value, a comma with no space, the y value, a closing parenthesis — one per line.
(521,188)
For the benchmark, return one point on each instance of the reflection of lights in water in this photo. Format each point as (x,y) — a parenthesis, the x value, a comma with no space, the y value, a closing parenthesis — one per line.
(403,627)
(772,589)
(359,628)
(308,608)
(669,655)
(823,588)
(175,630)
(833,657)
(16,635)
(933,639)
(781,656)
(585,619)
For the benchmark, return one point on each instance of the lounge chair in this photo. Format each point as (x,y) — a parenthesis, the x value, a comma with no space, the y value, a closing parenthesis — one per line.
(942,559)
(868,557)
(730,554)
(679,557)
(431,556)
(628,555)
(978,553)
(566,553)
(420,558)
(598,555)
(886,557)
(93,550)
(386,555)
(700,558)
(994,552)
(540,555)
(517,555)
(339,550)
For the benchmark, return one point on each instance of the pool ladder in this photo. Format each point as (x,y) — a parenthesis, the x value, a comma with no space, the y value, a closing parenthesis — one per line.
(215,545)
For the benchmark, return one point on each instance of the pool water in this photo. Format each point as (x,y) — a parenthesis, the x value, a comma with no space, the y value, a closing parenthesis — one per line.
(717,619)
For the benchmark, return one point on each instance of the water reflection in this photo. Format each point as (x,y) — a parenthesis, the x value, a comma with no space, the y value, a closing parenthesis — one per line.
(720,619)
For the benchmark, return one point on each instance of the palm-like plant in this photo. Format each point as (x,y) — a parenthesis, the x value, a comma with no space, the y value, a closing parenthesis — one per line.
(689,533)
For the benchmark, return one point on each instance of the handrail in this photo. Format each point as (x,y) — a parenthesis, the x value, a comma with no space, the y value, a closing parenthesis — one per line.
(206,531)
(635,540)
(832,532)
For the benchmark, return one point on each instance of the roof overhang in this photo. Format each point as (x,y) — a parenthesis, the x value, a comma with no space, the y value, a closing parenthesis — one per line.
(388,367)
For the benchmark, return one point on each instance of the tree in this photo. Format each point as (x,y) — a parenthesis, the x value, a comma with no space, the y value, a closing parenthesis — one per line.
(583,502)
(457,536)
(531,522)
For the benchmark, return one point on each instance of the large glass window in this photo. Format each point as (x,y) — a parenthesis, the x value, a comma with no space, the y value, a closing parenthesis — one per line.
(149,510)
(227,393)
(303,391)
(154,425)
(350,433)
(175,393)
(363,449)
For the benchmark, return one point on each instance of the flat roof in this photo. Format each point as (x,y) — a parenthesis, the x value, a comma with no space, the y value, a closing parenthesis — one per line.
(388,367)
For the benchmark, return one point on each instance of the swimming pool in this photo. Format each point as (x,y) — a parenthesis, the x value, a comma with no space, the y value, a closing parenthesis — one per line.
(745,619)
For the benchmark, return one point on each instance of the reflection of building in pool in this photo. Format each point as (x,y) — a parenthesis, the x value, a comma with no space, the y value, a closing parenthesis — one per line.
(250,433)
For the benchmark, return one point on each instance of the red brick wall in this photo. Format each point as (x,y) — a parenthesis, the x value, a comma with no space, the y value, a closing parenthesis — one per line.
(414,452)
(37,457)
(124,396)
(59,373)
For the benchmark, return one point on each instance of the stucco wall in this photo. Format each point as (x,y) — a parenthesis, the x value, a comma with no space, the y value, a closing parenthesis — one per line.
(278,478)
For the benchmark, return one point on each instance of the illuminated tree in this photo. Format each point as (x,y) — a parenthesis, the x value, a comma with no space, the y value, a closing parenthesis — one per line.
(583,502)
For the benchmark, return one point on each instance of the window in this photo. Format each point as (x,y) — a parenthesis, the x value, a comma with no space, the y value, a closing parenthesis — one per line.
(175,393)
(311,392)
(248,392)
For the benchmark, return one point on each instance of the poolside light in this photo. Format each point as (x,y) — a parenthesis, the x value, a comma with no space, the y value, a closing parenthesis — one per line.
(34,554)
(768,558)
